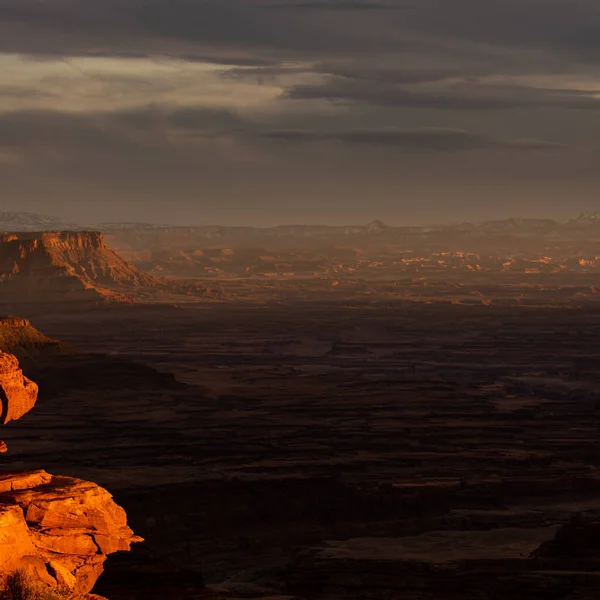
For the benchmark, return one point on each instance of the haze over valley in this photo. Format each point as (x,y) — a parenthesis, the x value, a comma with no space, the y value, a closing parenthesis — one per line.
(313,411)
(299,300)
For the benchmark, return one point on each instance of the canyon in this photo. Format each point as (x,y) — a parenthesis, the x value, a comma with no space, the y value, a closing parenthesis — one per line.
(329,451)
(366,423)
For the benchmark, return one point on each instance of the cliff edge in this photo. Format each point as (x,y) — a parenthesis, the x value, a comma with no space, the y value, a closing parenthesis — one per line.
(63,266)
(59,529)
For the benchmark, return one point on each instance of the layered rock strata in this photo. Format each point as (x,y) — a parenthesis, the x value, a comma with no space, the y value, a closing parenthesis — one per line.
(59,529)
(63,266)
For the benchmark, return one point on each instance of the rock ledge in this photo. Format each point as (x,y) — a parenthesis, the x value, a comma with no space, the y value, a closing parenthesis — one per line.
(60,529)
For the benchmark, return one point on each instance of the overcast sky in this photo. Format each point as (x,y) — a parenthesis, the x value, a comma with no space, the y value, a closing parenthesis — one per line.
(266,112)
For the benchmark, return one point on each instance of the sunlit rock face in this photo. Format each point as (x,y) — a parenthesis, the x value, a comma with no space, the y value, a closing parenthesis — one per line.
(71,266)
(17,393)
(60,529)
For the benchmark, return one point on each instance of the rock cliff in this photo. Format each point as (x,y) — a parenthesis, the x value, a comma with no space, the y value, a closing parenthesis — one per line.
(17,393)
(60,529)
(57,266)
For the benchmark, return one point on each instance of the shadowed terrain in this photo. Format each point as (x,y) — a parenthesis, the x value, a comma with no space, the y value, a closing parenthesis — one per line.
(234,434)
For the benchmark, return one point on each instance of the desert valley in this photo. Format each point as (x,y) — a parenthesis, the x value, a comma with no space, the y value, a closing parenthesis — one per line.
(364,412)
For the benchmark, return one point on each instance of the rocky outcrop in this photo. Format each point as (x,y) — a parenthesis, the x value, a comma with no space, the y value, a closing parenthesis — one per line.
(20,338)
(58,266)
(59,528)
(17,393)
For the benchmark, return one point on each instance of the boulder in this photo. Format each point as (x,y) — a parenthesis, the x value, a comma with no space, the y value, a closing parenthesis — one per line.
(60,529)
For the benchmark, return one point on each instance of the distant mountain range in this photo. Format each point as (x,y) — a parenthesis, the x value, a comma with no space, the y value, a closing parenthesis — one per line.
(586,225)
(25,221)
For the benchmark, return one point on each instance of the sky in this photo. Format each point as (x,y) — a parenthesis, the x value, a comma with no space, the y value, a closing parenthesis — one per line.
(265,112)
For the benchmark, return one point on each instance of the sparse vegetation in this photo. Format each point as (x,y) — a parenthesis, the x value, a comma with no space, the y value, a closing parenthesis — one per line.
(20,585)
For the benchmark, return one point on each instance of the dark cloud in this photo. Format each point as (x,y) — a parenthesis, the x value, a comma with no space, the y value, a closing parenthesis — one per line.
(533,144)
(495,77)
(15,91)
(190,120)
(336,5)
(227,30)
(252,30)
(140,128)
(466,95)
(428,139)
(208,22)
(207,165)
(567,27)
(261,73)
(130,135)
(377,73)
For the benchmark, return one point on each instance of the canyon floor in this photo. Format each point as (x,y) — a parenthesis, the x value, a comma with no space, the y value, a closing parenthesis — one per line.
(354,449)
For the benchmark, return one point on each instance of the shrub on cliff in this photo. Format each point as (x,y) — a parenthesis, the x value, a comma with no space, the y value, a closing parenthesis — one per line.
(21,586)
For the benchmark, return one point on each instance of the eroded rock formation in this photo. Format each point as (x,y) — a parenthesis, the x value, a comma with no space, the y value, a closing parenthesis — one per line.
(59,528)
(63,266)
(17,393)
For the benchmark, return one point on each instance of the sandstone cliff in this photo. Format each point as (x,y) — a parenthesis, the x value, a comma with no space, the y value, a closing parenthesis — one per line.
(60,529)
(70,265)
(17,393)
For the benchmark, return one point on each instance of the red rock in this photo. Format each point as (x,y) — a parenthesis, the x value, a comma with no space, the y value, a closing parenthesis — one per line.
(15,539)
(17,393)
(59,528)
(22,481)
(63,266)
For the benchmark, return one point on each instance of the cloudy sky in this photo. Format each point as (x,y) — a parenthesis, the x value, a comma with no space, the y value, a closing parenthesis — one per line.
(280,111)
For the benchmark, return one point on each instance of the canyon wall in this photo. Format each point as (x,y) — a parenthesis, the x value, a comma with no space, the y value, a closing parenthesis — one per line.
(63,266)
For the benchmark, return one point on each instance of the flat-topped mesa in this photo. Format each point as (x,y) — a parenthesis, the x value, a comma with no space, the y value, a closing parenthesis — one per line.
(14,322)
(59,529)
(63,266)
(17,393)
